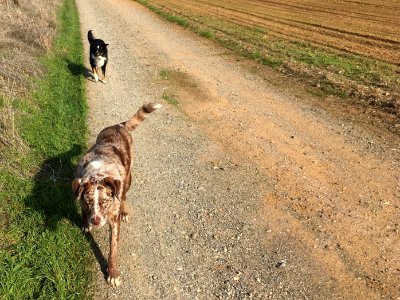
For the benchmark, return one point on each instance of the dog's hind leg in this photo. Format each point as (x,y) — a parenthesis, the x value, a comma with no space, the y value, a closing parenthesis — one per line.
(124,215)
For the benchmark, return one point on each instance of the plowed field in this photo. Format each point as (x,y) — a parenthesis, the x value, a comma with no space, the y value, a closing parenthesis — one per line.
(369,28)
(346,49)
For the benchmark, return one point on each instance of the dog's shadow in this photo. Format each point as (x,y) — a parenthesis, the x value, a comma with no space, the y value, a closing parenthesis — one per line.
(52,196)
(79,69)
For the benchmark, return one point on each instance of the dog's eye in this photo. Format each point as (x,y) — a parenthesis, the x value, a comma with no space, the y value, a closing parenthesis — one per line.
(103,202)
(86,203)
(87,199)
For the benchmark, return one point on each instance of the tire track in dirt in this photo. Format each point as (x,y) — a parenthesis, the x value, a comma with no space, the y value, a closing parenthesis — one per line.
(241,191)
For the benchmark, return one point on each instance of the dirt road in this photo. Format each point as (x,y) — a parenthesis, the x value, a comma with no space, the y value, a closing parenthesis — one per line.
(241,190)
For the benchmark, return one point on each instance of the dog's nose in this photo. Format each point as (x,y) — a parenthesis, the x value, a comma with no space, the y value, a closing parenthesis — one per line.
(95,220)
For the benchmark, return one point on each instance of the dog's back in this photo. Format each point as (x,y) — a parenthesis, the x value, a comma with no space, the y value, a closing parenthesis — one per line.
(113,145)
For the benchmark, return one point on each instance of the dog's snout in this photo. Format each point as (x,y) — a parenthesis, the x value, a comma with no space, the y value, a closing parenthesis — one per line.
(95,220)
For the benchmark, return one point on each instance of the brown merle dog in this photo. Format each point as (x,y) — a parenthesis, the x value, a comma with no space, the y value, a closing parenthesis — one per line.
(103,177)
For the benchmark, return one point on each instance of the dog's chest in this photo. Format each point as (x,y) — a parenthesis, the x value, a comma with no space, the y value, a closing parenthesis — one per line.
(99,60)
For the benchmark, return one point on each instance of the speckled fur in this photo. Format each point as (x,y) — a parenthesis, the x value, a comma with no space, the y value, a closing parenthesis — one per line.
(103,176)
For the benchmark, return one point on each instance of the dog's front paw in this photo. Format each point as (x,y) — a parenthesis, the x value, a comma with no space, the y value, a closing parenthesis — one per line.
(124,217)
(96,78)
(114,281)
(86,228)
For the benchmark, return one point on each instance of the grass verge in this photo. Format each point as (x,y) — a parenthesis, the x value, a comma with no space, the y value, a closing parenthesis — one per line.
(43,254)
(168,16)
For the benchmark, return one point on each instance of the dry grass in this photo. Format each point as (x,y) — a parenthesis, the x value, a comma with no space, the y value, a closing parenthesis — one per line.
(28,29)
(8,135)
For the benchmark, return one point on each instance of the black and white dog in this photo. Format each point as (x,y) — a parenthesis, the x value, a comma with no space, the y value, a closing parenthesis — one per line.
(98,57)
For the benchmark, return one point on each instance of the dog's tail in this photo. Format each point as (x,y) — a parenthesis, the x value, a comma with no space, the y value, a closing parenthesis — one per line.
(90,36)
(140,115)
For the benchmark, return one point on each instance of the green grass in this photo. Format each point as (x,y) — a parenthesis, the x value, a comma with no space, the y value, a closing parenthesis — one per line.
(207,34)
(168,16)
(43,254)
(170,99)
(165,74)
(350,66)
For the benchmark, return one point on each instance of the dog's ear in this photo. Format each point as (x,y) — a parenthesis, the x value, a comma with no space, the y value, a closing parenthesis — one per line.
(115,185)
(77,188)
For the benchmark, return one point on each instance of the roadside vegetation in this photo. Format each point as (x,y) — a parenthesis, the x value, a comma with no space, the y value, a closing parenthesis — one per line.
(171,99)
(43,254)
(354,65)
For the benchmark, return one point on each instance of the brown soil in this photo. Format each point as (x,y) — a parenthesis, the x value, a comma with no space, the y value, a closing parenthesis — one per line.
(369,29)
(304,38)
(247,188)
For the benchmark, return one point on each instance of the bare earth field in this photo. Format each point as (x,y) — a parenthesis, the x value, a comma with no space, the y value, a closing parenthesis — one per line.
(347,49)
(369,27)
(243,189)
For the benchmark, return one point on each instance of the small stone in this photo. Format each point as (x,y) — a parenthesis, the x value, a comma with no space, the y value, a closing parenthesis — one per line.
(193,235)
(281,264)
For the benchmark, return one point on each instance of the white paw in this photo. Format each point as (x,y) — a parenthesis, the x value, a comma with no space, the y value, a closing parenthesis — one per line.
(114,281)
(96,78)
(125,218)
(87,229)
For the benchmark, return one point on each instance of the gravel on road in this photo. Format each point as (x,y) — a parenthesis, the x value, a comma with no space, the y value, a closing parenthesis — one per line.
(240,190)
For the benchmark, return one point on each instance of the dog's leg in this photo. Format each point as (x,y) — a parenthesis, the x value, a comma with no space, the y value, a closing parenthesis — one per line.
(103,69)
(124,211)
(94,71)
(113,274)
(85,223)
